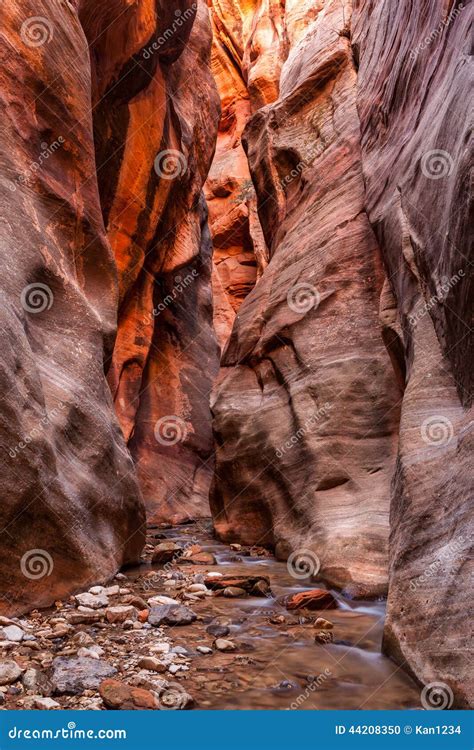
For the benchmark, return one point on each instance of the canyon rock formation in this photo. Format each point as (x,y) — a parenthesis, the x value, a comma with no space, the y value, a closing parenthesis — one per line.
(89,191)
(71,509)
(240,253)
(306,404)
(155,134)
(358,149)
(415,85)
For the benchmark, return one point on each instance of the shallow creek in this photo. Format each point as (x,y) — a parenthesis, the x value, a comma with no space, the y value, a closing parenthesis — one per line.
(279,665)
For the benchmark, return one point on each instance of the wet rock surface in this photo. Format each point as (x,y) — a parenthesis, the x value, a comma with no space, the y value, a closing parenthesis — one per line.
(220,652)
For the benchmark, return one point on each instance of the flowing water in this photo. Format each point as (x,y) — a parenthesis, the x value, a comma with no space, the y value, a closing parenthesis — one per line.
(278,665)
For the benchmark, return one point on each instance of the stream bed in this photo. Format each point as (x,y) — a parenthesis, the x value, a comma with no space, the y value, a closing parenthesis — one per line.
(278,665)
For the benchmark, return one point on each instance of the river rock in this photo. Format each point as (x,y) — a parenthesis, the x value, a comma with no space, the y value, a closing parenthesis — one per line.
(45,704)
(171,614)
(254,585)
(156,601)
(119,696)
(74,675)
(232,592)
(200,558)
(322,624)
(204,650)
(12,633)
(223,645)
(324,636)
(10,672)
(120,614)
(314,599)
(36,681)
(166,552)
(154,665)
(217,630)
(92,601)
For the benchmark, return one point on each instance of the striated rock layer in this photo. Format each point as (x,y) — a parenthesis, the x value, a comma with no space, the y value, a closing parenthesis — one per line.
(306,406)
(86,191)
(240,253)
(359,152)
(71,511)
(155,129)
(414,92)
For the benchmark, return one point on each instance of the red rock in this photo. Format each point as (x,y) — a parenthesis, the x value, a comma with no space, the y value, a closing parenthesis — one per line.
(72,511)
(315,599)
(300,457)
(143,615)
(117,695)
(256,585)
(199,558)
(417,162)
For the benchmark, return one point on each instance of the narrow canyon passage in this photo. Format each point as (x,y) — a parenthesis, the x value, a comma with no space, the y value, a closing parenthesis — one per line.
(237,382)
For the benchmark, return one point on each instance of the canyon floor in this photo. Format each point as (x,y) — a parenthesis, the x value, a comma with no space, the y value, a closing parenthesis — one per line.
(205,626)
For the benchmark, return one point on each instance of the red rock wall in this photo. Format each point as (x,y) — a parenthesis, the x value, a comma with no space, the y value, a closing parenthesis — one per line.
(240,253)
(415,88)
(104,156)
(306,375)
(71,511)
(155,135)
(359,150)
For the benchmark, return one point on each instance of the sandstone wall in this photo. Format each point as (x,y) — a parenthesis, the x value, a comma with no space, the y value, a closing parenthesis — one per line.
(415,88)
(71,511)
(155,131)
(306,406)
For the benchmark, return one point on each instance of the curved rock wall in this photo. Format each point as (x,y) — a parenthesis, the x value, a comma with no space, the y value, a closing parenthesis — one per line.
(359,150)
(71,511)
(415,88)
(155,135)
(305,358)
(109,115)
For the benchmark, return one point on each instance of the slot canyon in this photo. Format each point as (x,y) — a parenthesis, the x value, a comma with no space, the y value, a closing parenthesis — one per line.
(236,385)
